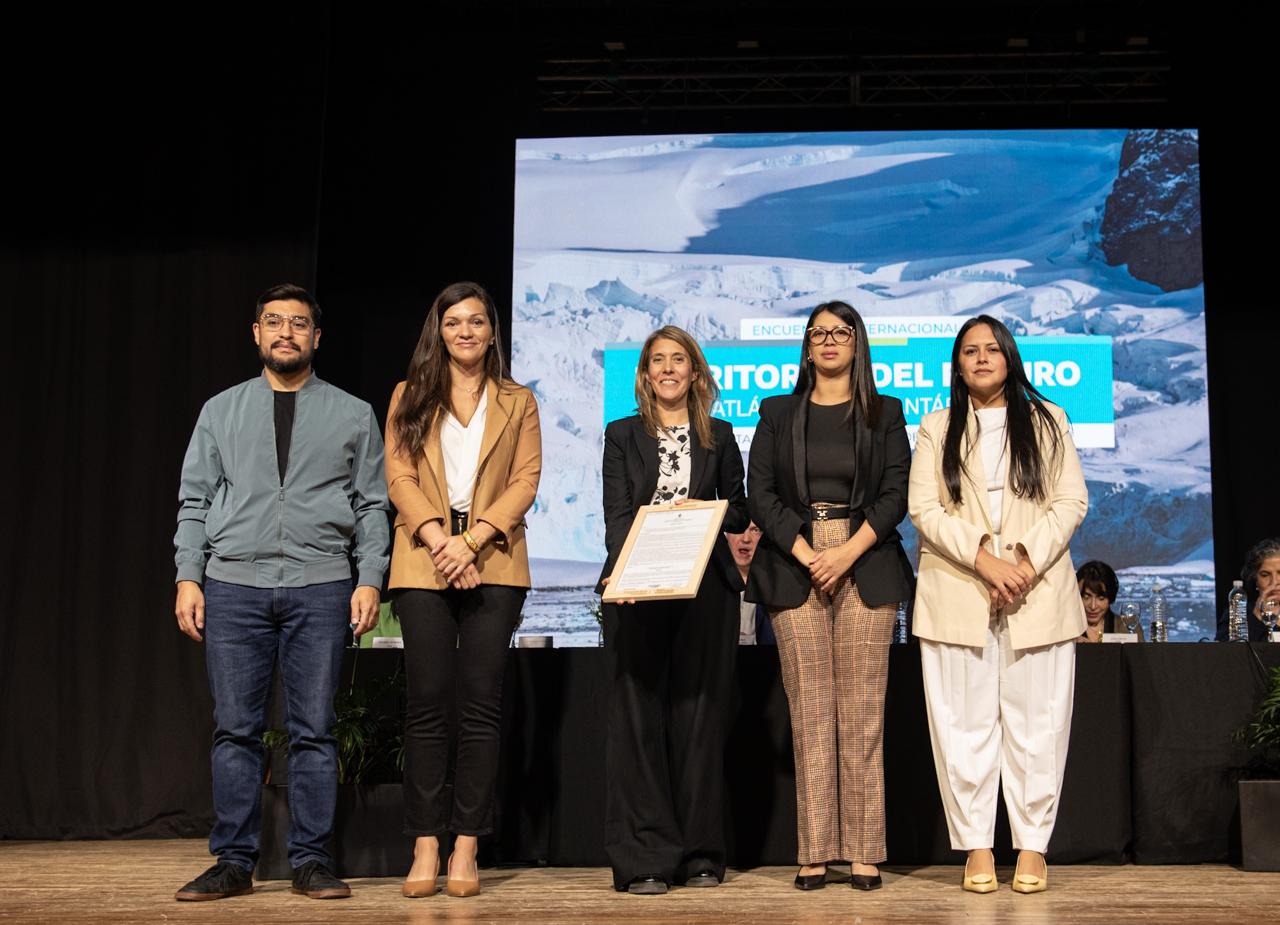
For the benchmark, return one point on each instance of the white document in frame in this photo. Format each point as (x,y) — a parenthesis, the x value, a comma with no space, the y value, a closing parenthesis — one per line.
(667,549)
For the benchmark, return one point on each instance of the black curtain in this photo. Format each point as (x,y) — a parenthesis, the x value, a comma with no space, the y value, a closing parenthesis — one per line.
(161,186)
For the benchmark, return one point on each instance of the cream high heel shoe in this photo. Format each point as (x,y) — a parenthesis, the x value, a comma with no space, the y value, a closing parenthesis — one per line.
(1029,883)
(979,883)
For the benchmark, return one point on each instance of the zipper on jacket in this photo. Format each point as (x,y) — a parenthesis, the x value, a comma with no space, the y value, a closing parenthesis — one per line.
(280,533)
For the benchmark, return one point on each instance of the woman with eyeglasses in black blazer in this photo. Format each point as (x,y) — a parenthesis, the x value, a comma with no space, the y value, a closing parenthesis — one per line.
(827,483)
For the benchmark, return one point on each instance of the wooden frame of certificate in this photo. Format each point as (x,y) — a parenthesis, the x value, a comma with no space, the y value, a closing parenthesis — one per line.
(666,552)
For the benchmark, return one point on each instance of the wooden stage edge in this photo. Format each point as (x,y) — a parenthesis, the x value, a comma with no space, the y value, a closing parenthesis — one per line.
(134,881)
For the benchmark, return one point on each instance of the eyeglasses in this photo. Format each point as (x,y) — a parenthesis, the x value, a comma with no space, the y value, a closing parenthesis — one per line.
(270,321)
(841,335)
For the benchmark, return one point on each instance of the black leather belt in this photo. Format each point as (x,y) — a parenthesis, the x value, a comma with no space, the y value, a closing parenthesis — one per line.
(824,511)
(457,522)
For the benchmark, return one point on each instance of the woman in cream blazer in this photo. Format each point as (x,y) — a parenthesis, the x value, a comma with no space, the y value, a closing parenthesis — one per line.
(464,453)
(997,610)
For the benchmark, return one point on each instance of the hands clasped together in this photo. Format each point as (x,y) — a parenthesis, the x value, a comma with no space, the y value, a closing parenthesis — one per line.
(827,567)
(455,561)
(452,557)
(1007,583)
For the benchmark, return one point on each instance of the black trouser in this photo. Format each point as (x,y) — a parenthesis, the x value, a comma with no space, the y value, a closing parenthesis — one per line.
(455,642)
(668,716)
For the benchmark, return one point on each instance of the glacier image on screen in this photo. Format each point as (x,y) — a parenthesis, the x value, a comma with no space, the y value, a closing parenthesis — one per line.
(1085,243)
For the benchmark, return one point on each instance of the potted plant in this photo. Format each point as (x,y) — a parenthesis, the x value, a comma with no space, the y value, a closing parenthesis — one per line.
(1260,783)
(369,728)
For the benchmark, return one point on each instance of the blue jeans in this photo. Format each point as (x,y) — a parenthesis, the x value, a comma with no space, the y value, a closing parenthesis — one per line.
(246,631)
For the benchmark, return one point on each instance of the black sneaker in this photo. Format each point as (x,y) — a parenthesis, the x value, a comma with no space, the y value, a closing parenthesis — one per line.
(317,881)
(218,882)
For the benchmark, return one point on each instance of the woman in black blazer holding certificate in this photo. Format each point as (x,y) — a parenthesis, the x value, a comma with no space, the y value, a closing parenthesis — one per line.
(672,661)
(828,486)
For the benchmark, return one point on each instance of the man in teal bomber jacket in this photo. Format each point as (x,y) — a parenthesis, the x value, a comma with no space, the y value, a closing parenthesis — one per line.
(282,487)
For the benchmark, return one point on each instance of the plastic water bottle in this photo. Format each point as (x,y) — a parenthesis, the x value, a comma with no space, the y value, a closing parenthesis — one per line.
(1159,616)
(900,624)
(1237,613)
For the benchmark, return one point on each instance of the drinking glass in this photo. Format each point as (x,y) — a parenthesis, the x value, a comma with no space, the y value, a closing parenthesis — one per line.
(1131,616)
(1270,612)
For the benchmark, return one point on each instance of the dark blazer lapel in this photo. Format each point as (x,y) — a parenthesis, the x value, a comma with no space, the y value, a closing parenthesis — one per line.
(697,462)
(863,439)
(799,422)
(646,448)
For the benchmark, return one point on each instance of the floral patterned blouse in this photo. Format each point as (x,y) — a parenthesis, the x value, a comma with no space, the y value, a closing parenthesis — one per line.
(674,463)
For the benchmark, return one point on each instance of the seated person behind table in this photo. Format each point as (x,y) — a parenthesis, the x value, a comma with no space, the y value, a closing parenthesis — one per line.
(1098,589)
(1261,575)
(755,627)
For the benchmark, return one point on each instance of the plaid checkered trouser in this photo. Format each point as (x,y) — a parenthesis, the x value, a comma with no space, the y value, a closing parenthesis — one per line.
(834,651)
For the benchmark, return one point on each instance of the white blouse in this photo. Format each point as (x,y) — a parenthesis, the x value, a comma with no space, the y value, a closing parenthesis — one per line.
(461,446)
(995,458)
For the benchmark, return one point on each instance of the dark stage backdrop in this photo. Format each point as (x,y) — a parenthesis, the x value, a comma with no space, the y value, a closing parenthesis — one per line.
(162,183)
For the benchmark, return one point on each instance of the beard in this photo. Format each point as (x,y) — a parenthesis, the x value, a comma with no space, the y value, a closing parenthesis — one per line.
(285,366)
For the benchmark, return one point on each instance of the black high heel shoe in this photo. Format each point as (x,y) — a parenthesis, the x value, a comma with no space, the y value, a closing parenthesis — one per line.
(811,881)
(647,885)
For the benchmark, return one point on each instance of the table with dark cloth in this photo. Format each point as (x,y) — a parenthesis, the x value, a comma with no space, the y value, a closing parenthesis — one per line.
(552,791)
(1148,777)
(1187,701)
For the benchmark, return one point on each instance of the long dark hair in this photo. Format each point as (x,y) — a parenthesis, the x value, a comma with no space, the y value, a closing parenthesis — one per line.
(862,383)
(1029,467)
(427,383)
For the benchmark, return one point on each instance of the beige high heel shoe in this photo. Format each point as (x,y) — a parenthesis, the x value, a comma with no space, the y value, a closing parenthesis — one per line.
(979,883)
(460,888)
(1029,883)
(418,889)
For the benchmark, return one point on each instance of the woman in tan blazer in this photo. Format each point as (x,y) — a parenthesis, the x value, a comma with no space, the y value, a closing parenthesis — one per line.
(464,453)
(996,493)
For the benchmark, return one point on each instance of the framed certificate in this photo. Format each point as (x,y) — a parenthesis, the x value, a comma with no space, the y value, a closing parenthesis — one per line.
(666,552)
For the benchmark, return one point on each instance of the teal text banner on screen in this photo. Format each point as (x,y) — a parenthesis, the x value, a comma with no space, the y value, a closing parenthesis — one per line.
(1073,371)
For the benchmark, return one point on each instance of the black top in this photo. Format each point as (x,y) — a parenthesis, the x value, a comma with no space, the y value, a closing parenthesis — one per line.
(831,453)
(779,500)
(286,402)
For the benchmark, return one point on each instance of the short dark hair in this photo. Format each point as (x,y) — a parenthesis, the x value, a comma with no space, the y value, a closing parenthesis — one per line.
(1099,578)
(1261,551)
(291,293)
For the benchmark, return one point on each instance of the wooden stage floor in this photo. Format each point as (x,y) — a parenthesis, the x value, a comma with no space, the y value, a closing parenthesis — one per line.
(134,881)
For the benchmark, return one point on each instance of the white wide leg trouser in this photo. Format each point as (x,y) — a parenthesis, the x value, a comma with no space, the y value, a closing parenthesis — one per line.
(999,714)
